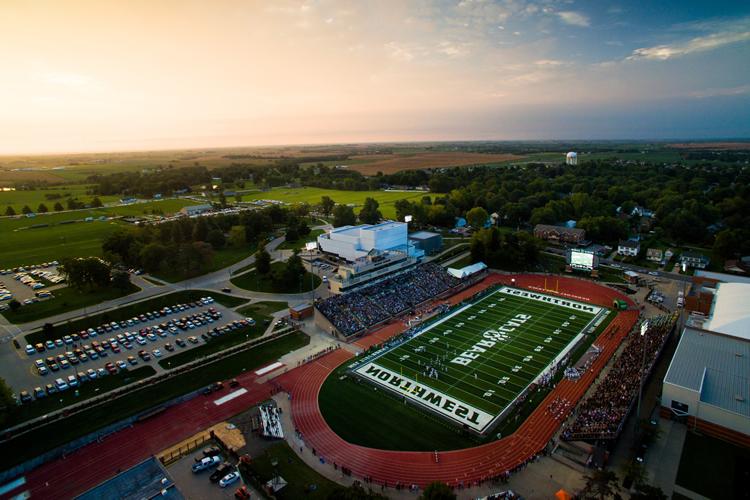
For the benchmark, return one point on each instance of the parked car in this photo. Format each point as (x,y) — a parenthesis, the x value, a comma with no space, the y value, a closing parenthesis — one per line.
(220,472)
(206,463)
(229,479)
(211,451)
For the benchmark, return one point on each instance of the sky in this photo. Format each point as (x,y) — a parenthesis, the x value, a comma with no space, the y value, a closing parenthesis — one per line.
(106,75)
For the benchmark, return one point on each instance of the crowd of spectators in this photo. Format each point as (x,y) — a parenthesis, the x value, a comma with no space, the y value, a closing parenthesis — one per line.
(355,311)
(602,414)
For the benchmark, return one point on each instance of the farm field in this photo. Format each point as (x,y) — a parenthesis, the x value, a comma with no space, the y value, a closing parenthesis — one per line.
(312,195)
(49,196)
(471,365)
(395,162)
(24,244)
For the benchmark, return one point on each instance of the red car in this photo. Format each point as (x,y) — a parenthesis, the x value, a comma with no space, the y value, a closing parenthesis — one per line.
(111,368)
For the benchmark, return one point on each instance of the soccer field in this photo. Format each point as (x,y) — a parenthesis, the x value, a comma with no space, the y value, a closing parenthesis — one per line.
(472,364)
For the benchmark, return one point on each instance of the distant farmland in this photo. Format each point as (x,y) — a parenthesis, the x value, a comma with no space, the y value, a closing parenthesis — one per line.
(390,163)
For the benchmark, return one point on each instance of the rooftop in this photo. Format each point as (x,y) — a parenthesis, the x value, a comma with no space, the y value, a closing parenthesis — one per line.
(148,479)
(717,366)
(731,311)
(726,278)
(423,235)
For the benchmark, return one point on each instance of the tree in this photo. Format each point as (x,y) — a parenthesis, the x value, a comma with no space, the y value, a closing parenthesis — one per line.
(42,208)
(152,256)
(7,403)
(14,305)
(120,279)
(58,207)
(216,238)
(354,492)
(223,200)
(370,213)
(437,491)
(200,229)
(648,492)
(96,202)
(10,211)
(327,204)
(48,329)
(601,484)
(262,262)
(26,209)
(237,237)
(294,269)
(477,217)
(343,215)
(86,272)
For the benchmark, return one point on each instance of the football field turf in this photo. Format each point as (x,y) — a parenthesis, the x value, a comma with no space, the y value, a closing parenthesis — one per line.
(472,364)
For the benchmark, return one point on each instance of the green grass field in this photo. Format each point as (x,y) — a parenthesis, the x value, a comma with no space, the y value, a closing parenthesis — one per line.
(281,460)
(300,243)
(312,195)
(17,199)
(471,365)
(48,237)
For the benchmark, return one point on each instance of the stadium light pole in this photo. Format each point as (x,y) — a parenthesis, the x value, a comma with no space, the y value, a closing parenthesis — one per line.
(644,328)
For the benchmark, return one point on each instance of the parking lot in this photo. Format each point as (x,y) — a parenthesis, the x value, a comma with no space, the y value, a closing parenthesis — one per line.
(27,284)
(198,485)
(91,354)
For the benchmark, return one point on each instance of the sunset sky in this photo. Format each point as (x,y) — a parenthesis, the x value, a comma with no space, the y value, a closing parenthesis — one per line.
(106,75)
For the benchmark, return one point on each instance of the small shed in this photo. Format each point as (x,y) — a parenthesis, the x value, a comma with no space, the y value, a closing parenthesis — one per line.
(301,311)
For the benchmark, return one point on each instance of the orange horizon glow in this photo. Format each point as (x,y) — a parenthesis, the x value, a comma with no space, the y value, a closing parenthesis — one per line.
(95,76)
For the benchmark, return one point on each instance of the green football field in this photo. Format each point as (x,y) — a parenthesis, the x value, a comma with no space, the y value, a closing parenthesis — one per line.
(470,365)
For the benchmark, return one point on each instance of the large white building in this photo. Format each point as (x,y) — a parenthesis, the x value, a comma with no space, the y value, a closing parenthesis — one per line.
(367,253)
(708,380)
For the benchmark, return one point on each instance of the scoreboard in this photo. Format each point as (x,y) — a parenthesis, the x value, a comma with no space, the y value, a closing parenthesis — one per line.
(584,260)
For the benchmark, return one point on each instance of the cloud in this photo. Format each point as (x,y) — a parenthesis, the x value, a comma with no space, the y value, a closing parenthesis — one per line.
(720,92)
(698,44)
(574,18)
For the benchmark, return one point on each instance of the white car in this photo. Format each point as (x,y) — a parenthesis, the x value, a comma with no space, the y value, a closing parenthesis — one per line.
(157,353)
(206,463)
(30,349)
(229,479)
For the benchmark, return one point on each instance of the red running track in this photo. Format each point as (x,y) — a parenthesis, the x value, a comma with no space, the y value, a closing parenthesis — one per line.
(469,465)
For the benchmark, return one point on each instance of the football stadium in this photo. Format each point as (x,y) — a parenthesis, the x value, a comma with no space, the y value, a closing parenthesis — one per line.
(473,363)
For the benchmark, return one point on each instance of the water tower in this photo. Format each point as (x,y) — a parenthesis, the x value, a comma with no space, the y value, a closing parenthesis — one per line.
(571,158)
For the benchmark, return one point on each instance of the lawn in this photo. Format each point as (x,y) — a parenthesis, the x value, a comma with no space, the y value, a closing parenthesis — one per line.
(85,391)
(52,236)
(713,468)
(60,432)
(259,283)
(263,308)
(125,312)
(311,195)
(303,481)
(65,299)
(299,244)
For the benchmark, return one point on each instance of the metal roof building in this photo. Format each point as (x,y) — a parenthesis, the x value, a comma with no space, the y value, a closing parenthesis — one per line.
(709,379)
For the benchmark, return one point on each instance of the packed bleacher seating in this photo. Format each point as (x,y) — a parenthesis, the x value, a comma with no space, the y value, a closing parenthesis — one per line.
(360,309)
(601,416)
